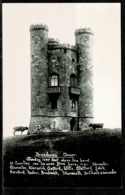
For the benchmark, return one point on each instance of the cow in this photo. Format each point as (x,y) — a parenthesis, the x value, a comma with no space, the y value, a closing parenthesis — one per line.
(96,125)
(19,128)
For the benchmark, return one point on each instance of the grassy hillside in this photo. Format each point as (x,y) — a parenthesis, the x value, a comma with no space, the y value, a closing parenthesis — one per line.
(97,145)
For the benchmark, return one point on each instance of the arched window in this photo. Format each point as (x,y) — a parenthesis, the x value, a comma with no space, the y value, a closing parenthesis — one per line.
(73,105)
(54,80)
(73,80)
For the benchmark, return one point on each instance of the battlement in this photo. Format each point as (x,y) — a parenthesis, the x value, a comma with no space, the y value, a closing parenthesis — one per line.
(68,46)
(83,31)
(53,45)
(52,41)
(38,27)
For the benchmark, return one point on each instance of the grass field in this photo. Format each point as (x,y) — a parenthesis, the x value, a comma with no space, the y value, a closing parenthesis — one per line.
(98,145)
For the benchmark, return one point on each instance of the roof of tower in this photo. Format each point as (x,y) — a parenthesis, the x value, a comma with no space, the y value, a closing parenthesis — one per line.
(38,27)
(85,30)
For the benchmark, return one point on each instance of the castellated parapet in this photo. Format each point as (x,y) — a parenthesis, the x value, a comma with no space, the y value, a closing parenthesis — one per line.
(38,27)
(61,81)
(84,31)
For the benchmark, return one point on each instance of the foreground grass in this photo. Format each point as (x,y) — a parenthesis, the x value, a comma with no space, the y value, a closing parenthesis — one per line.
(97,145)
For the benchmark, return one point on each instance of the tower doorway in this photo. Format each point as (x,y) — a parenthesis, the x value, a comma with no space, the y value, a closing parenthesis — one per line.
(73,124)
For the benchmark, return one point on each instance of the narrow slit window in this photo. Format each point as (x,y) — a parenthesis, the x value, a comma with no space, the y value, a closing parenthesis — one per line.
(65,50)
(73,105)
(73,61)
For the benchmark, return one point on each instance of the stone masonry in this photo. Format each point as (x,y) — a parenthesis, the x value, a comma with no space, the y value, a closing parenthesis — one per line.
(61,81)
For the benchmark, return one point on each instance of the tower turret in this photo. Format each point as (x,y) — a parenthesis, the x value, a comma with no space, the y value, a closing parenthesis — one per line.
(39,73)
(84,43)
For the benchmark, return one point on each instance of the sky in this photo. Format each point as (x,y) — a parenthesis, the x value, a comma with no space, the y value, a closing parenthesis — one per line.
(62,19)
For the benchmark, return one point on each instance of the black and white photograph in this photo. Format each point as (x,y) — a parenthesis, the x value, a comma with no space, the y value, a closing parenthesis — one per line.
(61,95)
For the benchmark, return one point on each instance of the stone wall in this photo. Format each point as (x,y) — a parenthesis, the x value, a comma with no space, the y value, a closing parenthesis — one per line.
(49,123)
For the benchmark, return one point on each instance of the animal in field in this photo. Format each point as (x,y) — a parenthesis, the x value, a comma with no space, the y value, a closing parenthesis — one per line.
(96,125)
(19,128)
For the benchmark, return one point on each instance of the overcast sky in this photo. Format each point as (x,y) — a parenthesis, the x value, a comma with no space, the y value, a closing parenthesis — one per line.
(62,20)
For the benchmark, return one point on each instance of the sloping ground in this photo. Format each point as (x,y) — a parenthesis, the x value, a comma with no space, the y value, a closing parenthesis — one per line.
(97,145)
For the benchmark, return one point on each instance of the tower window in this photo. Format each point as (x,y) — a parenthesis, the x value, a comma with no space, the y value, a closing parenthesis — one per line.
(78,54)
(73,105)
(73,61)
(53,59)
(53,104)
(65,50)
(54,80)
(73,80)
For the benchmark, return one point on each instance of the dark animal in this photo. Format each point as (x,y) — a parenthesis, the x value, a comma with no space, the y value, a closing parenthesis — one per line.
(96,125)
(20,128)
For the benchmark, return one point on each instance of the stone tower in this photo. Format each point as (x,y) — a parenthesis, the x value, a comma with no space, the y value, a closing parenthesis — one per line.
(39,73)
(61,81)
(84,44)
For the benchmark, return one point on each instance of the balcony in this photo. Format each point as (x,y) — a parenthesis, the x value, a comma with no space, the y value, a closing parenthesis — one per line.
(74,91)
(54,89)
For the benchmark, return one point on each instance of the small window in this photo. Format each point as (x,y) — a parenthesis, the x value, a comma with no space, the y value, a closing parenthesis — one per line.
(53,59)
(53,104)
(73,105)
(73,61)
(65,50)
(54,80)
(73,80)
(78,57)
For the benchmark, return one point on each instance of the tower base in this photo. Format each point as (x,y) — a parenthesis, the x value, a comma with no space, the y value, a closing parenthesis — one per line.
(60,123)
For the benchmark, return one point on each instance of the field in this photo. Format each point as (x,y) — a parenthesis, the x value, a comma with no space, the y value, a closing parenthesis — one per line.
(97,145)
